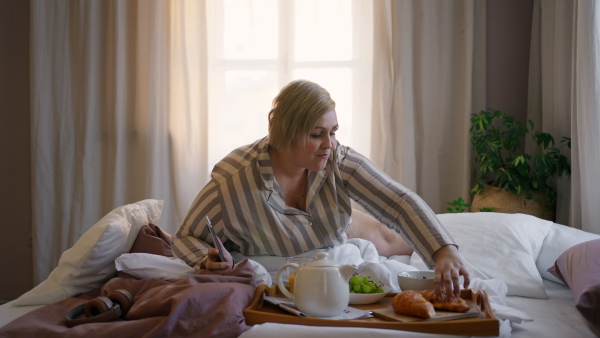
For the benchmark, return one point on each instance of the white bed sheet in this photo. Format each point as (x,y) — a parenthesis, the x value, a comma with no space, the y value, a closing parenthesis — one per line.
(553,317)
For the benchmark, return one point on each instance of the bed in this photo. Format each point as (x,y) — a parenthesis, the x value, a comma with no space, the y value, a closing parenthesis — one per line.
(509,256)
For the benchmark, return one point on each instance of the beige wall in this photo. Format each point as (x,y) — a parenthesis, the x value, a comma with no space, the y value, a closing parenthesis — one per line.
(15,164)
(508,36)
(508,31)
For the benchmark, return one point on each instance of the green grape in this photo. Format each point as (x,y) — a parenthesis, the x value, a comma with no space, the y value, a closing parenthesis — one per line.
(364,284)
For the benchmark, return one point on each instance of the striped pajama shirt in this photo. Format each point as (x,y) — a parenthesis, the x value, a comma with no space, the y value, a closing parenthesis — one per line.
(246,206)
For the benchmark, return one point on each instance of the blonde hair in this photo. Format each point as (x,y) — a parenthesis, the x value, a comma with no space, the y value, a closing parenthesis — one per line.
(297,109)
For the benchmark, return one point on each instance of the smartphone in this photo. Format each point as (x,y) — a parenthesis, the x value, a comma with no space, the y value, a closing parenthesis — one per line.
(214,237)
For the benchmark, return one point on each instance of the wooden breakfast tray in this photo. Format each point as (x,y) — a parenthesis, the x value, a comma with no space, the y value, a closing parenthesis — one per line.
(484,324)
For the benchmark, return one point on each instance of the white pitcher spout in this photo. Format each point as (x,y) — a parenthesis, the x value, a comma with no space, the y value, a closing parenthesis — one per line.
(346,271)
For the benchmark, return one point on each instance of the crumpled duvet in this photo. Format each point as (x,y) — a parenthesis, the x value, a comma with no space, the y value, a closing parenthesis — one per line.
(203,305)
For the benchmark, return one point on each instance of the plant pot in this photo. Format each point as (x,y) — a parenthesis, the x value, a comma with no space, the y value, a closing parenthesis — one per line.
(507,202)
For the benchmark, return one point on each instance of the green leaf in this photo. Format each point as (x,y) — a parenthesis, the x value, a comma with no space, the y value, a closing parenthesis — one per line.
(458,205)
(519,160)
(497,140)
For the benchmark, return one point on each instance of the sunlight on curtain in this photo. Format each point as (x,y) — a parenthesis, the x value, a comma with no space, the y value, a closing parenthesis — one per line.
(120,97)
(188,110)
(323,30)
(258,46)
(113,121)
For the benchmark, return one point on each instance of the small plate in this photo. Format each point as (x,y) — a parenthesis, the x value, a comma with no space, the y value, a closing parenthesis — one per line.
(368,298)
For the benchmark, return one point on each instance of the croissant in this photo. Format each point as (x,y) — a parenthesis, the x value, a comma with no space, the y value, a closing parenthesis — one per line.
(412,303)
(450,304)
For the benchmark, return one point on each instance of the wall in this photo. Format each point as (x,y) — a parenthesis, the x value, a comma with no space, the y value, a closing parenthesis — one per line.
(508,31)
(15,161)
(508,36)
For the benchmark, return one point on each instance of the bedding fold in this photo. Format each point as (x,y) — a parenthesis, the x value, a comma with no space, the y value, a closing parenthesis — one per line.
(203,305)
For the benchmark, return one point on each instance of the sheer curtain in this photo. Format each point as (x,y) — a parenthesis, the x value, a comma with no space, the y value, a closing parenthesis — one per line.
(120,110)
(109,116)
(564,99)
(259,46)
(586,117)
(429,76)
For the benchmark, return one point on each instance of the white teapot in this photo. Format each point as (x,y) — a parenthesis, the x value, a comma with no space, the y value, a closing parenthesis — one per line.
(321,286)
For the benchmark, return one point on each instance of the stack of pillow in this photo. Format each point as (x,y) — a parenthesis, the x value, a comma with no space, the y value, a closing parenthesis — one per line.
(91,261)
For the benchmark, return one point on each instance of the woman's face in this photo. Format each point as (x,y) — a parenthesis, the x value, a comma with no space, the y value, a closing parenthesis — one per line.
(313,154)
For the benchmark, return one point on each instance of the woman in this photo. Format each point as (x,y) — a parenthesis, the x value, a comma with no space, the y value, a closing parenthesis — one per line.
(291,192)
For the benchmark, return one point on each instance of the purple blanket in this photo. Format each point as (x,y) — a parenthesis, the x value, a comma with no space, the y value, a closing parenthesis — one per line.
(203,305)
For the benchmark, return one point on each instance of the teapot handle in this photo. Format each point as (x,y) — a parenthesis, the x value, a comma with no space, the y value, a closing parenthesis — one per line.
(282,287)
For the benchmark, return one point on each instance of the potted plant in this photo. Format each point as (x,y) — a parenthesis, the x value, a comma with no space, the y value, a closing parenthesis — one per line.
(509,179)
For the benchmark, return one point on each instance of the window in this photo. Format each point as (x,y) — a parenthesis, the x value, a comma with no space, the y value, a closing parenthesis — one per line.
(258,46)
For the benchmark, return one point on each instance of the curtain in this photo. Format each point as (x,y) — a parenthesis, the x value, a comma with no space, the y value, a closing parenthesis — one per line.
(564,99)
(586,116)
(429,77)
(549,81)
(111,124)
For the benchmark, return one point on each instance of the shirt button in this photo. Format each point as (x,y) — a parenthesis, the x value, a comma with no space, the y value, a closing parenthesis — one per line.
(310,223)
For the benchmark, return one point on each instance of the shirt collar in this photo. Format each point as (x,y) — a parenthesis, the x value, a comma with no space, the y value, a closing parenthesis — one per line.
(315,179)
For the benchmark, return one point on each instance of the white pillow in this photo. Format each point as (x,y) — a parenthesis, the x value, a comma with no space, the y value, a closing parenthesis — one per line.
(145,265)
(501,246)
(90,262)
(559,239)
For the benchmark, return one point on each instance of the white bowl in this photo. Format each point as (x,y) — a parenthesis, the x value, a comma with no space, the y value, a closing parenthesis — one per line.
(368,298)
(419,280)
(415,280)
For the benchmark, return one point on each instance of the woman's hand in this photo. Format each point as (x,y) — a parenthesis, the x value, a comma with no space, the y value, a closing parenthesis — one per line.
(213,260)
(449,264)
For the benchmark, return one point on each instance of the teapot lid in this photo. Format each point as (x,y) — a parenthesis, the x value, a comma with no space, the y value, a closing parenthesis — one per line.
(322,261)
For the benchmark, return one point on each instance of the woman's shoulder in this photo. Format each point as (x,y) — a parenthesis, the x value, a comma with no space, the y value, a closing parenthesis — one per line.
(249,152)
(343,152)
(239,159)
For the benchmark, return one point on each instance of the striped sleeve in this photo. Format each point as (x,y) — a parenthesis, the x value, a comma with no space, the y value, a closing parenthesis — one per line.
(190,242)
(393,204)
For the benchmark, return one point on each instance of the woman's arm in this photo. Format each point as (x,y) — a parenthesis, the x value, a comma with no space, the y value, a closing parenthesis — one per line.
(400,207)
(387,241)
(190,242)
(393,204)
(449,265)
